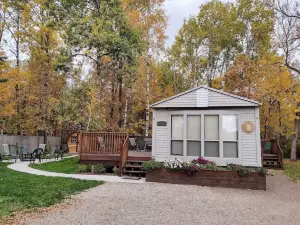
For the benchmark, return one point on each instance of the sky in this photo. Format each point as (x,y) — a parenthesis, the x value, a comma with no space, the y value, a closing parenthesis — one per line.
(177,11)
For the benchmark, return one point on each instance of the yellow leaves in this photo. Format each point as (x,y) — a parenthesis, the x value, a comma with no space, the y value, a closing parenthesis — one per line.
(217,83)
(7,102)
(106,59)
(269,82)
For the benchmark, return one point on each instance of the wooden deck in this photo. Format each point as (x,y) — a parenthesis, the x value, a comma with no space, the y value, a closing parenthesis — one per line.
(114,159)
(107,148)
(139,156)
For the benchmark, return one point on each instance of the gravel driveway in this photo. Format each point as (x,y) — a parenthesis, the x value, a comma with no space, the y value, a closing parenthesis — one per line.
(153,203)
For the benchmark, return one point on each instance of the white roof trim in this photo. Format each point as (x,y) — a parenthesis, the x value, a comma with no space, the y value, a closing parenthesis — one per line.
(210,89)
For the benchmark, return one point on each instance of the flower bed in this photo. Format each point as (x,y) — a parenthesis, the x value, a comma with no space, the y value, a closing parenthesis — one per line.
(205,173)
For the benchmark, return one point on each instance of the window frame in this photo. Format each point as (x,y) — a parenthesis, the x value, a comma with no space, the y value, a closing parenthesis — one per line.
(171,139)
(202,112)
(219,134)
(75,137)
(193,140)
(235,141)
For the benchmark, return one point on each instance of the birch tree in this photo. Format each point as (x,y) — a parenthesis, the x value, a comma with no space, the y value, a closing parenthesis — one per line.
(149,17)
(288,40)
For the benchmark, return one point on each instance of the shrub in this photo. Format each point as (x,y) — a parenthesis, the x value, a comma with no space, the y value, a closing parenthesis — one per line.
(286,146)
(81,168)
(116,170)
(242,170)
(151,165)
(262,171)
(209,166)
(99,168)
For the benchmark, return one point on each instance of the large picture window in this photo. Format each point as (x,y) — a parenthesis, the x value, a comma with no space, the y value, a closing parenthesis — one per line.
(203,134)
(211,136)
(230,136)
(177,135)
(194,135)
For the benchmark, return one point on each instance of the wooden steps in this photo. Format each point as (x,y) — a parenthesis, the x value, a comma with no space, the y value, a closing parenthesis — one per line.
(271,161)
(133,169)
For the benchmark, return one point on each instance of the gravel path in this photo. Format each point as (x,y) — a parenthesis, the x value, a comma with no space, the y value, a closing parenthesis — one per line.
(154,203)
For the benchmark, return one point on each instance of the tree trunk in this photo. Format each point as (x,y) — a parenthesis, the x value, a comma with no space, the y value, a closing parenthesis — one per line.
(2,132)
(111,113)
(18,70)
(147,91)
(45,96)
(195,83)
(120,101)
(295,140)
(126,107)
(90,116)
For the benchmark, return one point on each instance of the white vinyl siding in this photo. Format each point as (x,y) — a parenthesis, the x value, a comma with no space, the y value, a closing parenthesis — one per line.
(187,100)
(160,136)
(203,98)
(248,141)
(216,99)
(248,144)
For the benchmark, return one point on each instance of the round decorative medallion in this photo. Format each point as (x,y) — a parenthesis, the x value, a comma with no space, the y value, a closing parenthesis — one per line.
(248,127)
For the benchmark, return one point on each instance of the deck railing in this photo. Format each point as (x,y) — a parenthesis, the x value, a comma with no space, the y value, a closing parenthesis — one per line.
(123,155)
(102,143)
(272,147)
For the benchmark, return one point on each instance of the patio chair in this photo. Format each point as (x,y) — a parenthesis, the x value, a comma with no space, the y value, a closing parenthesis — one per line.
(4,151)
(148,144)
(42,146)
(101,144)
(132,143)
(22,152)
(36,154)
(13,152)
(140,143)
(65,148)
(56,153)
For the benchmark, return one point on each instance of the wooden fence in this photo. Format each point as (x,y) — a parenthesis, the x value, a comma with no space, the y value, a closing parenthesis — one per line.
(31,142)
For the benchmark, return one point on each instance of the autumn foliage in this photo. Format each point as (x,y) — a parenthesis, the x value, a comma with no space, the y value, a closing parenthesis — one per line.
(98,65)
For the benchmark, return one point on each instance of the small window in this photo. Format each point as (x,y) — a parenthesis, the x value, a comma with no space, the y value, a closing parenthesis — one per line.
(74,139)
(177,135)
(194,135)
(211,136)
(230,136)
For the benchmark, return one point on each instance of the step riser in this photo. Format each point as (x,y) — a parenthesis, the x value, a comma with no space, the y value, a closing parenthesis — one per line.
(134,169)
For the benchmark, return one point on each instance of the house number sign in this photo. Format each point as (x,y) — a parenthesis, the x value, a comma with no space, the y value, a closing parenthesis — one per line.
(161,123)
(248,127)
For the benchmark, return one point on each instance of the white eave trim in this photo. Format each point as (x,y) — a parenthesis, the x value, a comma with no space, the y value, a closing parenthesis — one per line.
(154,105)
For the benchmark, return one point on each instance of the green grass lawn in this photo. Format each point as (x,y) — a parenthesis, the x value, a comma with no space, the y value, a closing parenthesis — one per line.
(292,169)
(68,165)
(21,191)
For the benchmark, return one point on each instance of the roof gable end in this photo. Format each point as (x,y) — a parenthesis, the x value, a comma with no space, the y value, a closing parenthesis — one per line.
(204,97)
